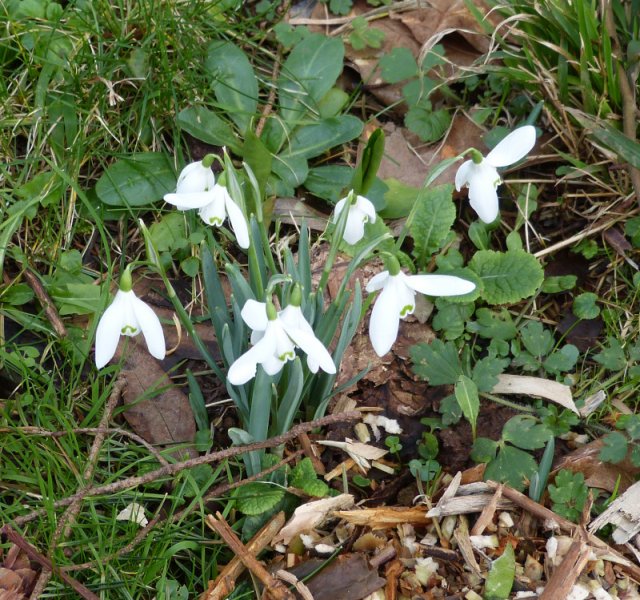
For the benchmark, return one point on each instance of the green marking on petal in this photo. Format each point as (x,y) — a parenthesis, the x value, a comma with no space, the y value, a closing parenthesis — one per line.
(406,310)
(129,330)
(286,356)
(215,221)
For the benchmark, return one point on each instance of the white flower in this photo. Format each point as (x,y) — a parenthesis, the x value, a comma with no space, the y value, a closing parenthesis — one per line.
(274,343)
(197,189)
(360,212)
(127,315)
(483,179)
(397,300)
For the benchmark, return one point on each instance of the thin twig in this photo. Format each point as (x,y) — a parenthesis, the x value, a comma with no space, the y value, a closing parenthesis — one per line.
(225,582)
(173,469)
(36,556)
(49,307)
(274,588)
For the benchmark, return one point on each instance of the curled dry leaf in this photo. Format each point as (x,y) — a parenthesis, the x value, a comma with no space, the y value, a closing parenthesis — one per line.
(311,515)
(360,453)
(536,386)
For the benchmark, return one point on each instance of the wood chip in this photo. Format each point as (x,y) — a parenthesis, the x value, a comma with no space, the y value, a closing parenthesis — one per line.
(385,516)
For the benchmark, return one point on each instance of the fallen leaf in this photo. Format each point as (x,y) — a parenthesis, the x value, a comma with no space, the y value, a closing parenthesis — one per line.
(133,512)
(597,473)
(311,515)
(348,577)
(157,410)
(536,386)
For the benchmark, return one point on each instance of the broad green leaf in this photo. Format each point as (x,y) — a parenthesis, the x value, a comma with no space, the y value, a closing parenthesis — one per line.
(511,466)
(493,325)
(507,276)
(206,126)
(332,183)
(169,233)
(615,447)
(536,339)
(585,306)
(560,283)
(293,170)
(466,394)
(612,356)
(397,65)
(312,140)
(309,72)
(233,81)
(562,360)
(258,497)
(451,317)
(305,478)
(434,215)
(258,157)
(75,298)
(398,199)
(501,576)
(137,180)
(486,370)
(525,432)
(483,450)
(428,125)
(332,103)
(632,230)
(438,362)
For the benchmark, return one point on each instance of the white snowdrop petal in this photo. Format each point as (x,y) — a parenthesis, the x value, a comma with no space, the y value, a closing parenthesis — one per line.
(366,206)
(338,209)
(513,147)
(238,223)
(463,173)
(195,178)
(214,213)
(354,228)
(384,322)
(440,285)
(313,348)
(191,200)
(483,196)
(254,314)
(244,368)
(108,332)
(151,328)
(377,281)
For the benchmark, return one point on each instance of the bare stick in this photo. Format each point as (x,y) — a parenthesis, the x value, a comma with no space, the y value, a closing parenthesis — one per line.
(226,580)
(565,576)
(274,588)
(172,469)
(48,306)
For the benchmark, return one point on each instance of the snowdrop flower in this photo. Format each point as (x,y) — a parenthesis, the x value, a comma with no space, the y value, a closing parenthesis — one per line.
(397,300)
(481,175)
(361,211)
(197,189)
(275,337)
(127,315)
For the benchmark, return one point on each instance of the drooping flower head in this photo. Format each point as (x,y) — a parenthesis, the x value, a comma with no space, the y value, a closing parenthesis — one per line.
(197,188)
(275,336)
(127,315)
(481,174)
(360,210)
(397,299)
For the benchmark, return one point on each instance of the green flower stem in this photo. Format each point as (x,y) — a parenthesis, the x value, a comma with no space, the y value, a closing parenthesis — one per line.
(177,305)
(507,403)
(338,233)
